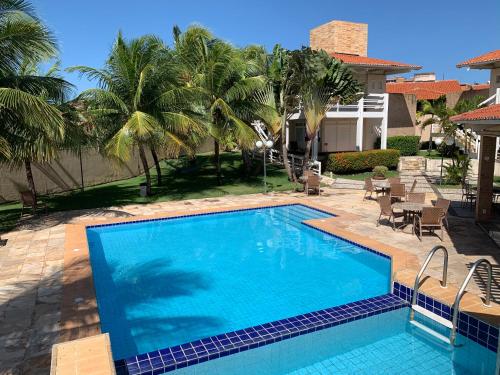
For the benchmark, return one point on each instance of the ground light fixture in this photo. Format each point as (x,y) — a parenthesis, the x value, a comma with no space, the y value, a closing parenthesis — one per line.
(264,145)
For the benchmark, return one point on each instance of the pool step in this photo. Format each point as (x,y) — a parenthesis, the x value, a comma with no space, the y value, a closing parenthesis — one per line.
(431,332)
(433,316)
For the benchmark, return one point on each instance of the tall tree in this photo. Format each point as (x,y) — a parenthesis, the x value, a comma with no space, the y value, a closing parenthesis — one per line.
(325,81)
(221,81)
(30,124)
(30,144)
(129,101)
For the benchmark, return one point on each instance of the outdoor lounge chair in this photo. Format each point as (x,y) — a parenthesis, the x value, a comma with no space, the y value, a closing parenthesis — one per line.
(387,211)
(313,185)
(30,201)
(431,219)
(415,197)
(398,192)
(370,188)
(444,204)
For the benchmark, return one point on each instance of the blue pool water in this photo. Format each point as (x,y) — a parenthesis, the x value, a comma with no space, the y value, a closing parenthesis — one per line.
(164,283)
(384,344)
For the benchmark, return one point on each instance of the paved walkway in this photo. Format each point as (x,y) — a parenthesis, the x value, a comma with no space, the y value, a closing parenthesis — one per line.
(32,263)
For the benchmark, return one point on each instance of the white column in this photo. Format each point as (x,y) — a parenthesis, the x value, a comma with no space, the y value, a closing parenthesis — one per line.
(497,99)
(359,126)
(315,147)
(287,134)
(383,133)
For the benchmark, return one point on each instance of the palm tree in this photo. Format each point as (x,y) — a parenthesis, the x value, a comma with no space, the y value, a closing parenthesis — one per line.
(223,83)
(36,143)
(129,101)
(325,82)
(30,124)
(22,35)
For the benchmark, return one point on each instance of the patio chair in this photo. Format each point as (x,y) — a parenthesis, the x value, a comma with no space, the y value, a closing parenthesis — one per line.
(303,179)
(431,219)
(394,180)
(468,195)
(398,191)
(370,188)
(30,201)
(444,204)
(386,210)
(313,185)
(415,197)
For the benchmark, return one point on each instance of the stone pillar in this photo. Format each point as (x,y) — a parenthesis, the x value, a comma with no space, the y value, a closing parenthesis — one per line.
(485,178)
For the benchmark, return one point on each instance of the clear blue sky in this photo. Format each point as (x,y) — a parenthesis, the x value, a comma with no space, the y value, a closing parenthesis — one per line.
(435,34)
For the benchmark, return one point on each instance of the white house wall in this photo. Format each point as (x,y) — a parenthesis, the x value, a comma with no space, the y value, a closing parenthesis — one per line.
(338,135)
(370,126)
(372,83)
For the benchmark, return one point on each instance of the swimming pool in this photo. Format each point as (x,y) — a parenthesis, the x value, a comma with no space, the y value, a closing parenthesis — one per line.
(382,344)
(167,282)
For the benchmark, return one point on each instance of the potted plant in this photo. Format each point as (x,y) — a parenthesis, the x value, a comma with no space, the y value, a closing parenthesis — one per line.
(380,172)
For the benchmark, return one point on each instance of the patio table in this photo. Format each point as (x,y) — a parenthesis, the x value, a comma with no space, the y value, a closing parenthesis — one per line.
(384,185)
(409,209)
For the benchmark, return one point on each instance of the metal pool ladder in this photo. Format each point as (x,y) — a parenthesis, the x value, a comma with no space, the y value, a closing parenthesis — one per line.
(451,324)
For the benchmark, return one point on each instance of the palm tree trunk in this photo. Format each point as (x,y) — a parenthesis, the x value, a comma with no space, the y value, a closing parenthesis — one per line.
(217,161)
(157,165)
(284,150)
(144,161)
(307,154)
(31,181)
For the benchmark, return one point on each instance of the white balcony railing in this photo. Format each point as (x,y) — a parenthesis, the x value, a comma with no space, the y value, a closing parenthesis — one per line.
(493,99)
(368,103)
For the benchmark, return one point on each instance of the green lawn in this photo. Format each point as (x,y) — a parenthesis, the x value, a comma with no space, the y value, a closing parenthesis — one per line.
(363,175)
(180,181)
(434,154)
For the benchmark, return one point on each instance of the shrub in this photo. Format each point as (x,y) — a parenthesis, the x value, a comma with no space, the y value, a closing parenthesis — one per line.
(380,171)
(408,145)
(351,162)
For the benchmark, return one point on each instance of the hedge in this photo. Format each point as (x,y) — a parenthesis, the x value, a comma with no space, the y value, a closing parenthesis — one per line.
(352,162)
(408,145)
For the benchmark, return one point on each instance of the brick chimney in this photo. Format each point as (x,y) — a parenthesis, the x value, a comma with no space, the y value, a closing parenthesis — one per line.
(340,37)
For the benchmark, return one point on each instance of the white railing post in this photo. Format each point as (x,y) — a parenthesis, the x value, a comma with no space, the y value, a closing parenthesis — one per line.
(497,99)
(383,125)
(359,125)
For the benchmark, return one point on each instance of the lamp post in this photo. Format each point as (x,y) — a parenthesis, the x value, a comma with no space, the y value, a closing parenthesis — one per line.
(264,146)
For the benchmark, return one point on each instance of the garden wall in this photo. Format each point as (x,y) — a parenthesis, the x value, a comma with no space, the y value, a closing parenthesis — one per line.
(64,174)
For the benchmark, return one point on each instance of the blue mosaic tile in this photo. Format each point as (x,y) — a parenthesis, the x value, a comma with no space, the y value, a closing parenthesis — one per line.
(468,326)
(209,348)
(210,213)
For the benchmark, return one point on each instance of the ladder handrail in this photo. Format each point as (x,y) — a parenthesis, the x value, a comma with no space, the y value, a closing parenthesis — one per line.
(424,266)
(461,291)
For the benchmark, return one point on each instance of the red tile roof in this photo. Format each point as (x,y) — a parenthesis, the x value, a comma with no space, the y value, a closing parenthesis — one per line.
(491,112)
(485,58)
(475,87)
(370,61)
(424,90)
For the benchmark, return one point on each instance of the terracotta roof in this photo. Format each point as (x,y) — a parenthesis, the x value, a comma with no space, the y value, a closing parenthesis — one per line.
(475,87)
(370,61)
(424,90)
(485,58)
(491,112)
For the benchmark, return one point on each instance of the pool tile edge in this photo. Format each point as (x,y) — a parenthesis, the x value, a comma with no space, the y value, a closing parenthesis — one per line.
(180,356)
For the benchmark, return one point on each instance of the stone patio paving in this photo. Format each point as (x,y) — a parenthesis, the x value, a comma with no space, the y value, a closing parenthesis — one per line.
(32,264)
